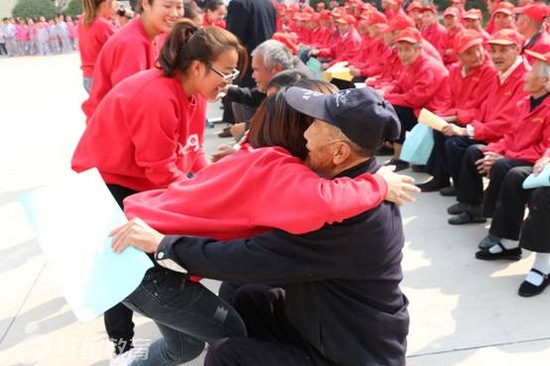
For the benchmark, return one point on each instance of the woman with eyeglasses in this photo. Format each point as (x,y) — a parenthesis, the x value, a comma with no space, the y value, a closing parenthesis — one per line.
(133,48)
(148,131)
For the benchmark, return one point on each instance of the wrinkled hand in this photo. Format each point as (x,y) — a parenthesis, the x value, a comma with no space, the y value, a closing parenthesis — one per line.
(223,151)
(135,233)
(313,52)
(540,164)
(354,71)
(453,130)
(485,164)
(399,186)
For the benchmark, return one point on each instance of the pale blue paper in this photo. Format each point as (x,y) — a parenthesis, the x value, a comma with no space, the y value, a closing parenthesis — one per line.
(540,180)
(418,145)
(72,219)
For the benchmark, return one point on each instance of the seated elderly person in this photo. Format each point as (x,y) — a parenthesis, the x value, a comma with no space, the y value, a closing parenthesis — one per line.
(497,113)
(422,83)
(511,158)
(530,23)
(470,81)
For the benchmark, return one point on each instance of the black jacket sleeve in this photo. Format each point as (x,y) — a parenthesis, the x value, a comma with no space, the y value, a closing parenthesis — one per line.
(249,96)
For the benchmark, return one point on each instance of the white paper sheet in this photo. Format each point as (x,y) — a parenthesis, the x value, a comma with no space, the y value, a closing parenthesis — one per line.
(72,219)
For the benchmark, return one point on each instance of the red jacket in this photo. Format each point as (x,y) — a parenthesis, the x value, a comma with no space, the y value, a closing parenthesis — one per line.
(451,58)
(127,52)
(469,93)
(530,136)
(541,45)
(371,60)
(145,134)
(346,47)
(391,69)
(90,41)
(497,114)
(252,191)
(437,35)
(424,84)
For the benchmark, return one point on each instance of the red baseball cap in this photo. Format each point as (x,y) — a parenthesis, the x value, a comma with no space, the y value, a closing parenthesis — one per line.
(458,1)
(346,19)
(467,39)
(399,23)
(452,11)
(414,6)
(507,37)
(535,11)
(505,8)
(539,56)
(410,35)
(473,14)
(375,17)
(431,8)
(324,15)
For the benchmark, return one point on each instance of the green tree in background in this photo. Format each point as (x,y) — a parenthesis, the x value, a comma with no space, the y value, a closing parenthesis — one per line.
(34,8)
(74,8)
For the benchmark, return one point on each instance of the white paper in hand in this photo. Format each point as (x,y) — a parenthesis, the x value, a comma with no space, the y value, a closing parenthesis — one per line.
(540,180)
(431,120)
(72,219)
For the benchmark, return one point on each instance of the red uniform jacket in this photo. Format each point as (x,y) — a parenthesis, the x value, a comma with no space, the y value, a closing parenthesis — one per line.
(145,134)
(540,45)
(252,191)
(451,58)
(90,41)
(530,136)
(346,47)
(373,56)
(436,34)
(127,52)
(497,114)
(469,93)
(424,84)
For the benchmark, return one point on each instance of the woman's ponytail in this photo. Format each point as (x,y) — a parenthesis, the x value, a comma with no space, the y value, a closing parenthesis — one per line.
(171,55)
(89,8)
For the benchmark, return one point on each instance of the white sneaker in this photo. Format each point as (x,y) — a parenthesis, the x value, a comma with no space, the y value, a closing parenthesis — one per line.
(132,355)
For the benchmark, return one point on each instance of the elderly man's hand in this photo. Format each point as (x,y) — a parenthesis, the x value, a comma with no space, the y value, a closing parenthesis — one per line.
(453,130)
(135,233)
(354,71)
(223,151)
(399,186)
(485,164)
(540,164)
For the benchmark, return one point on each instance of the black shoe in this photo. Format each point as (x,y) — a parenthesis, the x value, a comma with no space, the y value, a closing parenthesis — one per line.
(456,209)
(448,191)
(488,241)
(509,254)
(466,217)
(527,289)
(432,185)
(399,164)
(418,168)
(226,132)
(384,151)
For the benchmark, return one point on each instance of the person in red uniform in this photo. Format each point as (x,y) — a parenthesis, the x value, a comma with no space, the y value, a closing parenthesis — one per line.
(451,21)
(503,241)
(94,29)
(530,24)
(374,53)
(459,6)
(472,20)
(149,130)
(134,48)
(470,81)
(214,13)
(503,16)
(393,8)
(414,11)
(432,31)
(422,83)
(496,115)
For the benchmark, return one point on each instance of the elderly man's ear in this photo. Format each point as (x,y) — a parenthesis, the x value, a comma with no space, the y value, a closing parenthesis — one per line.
(341,153)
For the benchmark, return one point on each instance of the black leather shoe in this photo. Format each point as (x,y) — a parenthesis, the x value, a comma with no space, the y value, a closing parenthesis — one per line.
(509,254)
(527,289)
(226,132)
(432,185)
(448,191)
(399,164)
(418,168)
(466,217)
(456,209)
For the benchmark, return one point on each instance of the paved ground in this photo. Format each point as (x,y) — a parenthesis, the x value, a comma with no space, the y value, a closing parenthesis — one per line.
(463,311)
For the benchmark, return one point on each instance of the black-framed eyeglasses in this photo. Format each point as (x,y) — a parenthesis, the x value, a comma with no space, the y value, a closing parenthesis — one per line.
(226,77)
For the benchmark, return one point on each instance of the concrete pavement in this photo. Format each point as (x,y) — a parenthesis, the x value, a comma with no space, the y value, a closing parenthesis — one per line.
(463,311)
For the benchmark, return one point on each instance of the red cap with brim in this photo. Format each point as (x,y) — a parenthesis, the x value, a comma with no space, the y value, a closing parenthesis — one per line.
(399,23)
(431,8)
(346,19)
(410,35)
(467,39)
(374,18)
(539,56)
(507,37)
(536,11)
(505,8)
(452,11)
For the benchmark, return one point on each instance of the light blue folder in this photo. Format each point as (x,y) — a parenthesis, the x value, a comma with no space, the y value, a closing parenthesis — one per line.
(540,180)
(71,219)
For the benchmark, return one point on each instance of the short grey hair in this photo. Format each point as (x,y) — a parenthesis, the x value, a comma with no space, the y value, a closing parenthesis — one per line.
(274,53)
(544,71)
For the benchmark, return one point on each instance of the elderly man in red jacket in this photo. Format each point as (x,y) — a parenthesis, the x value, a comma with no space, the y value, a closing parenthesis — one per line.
(530,24)
(496,115)
(422,83)
(521,147)
(451,21)
(470,81)
(432,31)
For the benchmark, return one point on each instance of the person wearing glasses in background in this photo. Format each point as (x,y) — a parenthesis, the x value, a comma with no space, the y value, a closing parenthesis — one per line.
(149,130)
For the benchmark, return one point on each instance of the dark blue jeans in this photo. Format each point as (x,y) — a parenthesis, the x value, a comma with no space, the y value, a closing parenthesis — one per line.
(187,314)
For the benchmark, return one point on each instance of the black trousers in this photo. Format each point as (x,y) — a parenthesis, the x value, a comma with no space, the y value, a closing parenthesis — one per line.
(118,319)
(273,340)
(437,163)
(470,187)
(408,121)
(455,147)
(535,235)
(510,205)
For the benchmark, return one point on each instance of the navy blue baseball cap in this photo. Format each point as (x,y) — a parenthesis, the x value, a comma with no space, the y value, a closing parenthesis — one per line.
(362,114)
